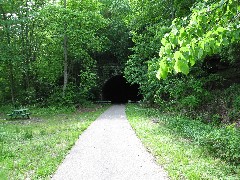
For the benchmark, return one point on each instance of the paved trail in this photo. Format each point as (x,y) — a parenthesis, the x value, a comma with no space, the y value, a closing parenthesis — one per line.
(109,150)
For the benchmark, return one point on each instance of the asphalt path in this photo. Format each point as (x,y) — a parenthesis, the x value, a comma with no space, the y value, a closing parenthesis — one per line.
(109,150)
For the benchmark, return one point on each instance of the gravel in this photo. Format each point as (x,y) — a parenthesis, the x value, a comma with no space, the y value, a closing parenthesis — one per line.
(109,150)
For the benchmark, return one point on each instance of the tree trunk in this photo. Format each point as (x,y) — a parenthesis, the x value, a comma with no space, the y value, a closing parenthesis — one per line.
(9,63)
(65,81)
(12,82)
(27,50)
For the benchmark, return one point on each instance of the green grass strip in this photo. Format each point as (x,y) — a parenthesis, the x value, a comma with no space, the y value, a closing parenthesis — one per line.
(33,149)
(178,145)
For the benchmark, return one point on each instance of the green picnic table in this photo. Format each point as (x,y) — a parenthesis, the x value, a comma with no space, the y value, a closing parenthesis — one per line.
(19,113)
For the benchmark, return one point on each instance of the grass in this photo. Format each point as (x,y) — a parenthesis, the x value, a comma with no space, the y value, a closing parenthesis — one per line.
(33,149)
(176,144)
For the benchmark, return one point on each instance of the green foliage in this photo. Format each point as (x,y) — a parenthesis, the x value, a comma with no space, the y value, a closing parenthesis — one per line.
(148,22)
(83,40)
(190,101)
(224,142)
(32,51)
(117,33)
(18,45)
(199,39)
(210,27)
(231,53)
(221,106)
(236,102)
(221,142)
(186,148)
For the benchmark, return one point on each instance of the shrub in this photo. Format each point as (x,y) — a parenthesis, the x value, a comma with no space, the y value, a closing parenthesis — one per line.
(224,143)
(220,141)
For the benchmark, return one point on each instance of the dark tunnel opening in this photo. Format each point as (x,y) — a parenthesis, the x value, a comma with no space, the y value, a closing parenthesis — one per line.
(118,90)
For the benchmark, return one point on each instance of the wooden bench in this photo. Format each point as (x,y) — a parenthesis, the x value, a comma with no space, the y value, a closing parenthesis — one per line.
(19,113)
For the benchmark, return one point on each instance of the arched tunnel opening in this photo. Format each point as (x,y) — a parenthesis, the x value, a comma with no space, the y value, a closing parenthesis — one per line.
(118,90)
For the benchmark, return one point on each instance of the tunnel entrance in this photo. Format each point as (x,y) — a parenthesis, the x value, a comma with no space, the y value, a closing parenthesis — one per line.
(117,90)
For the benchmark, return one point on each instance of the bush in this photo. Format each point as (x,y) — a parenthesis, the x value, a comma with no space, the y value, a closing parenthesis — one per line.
(72,96)
(190,101)
(220,141)
(224,143)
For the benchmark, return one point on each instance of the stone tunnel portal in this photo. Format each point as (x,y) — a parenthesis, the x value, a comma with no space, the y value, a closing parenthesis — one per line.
(117,90)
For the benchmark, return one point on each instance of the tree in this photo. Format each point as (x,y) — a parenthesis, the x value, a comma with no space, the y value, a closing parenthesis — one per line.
(47,45)
(210,27)
(18,34)
(148,22)
(77,26)
(6,59)
(65,81)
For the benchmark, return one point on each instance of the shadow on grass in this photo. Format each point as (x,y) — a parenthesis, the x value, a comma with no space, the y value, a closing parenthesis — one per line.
(219,141)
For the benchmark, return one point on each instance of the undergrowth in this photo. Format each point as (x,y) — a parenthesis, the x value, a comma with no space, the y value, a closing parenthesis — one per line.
(188,149)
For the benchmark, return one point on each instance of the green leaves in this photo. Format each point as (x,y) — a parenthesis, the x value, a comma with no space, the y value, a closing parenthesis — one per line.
(31,47)
(220,29)
(200,53)
(203,33)
(178,55)
(164,41)
(163,71)
(181,66)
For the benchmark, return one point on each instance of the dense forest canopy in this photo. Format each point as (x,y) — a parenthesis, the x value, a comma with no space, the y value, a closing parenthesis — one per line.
(182,53)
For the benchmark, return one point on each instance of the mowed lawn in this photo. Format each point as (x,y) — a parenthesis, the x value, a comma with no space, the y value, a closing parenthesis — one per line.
(33,148)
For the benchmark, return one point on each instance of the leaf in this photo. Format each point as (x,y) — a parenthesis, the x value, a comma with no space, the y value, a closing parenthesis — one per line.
(158,75)
(162,51)
(168,48)
(182,30)
(163,70)
(162,74)
(164,41)
(184,49)
(225,41)
(180,42)
(174,31)
(207,48)
(200,53)
(181,66)
(202,44)
(204,19)
(173,40)
(192,61)
(176,68)
(220,29)
(177,55)
(236,35)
